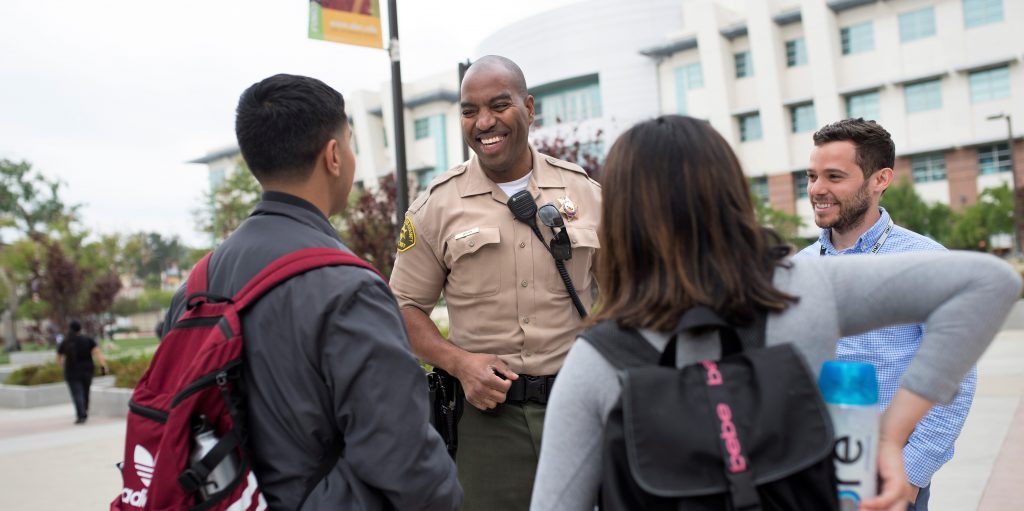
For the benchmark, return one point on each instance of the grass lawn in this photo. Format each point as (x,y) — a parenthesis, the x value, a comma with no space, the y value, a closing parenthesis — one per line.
(125,347)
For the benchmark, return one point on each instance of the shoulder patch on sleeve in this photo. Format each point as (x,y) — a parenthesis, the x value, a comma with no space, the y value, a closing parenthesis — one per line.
(407,238)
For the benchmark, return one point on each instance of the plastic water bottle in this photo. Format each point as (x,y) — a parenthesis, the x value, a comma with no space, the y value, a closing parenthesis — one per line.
(221,476)
(850,390)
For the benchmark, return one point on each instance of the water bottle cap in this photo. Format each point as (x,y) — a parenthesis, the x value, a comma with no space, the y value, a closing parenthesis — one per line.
(848,383)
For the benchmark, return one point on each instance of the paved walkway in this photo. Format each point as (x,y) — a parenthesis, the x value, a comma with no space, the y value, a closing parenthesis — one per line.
(47,463)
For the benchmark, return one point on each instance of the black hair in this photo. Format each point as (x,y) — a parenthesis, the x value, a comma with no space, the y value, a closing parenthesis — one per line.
(283,122)
(75,326)
(875,149)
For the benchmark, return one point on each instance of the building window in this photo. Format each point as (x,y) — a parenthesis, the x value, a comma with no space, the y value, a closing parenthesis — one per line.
(923,96)
(993,158)
(982,12)
(688,77)
(750,127)
(800,184)
(857,38)
(759,187)
(917,24)
(422,128)
(990,84)
(573,103)
(744,64)
(802,117)
(928,167)
(864,105)
(796,52)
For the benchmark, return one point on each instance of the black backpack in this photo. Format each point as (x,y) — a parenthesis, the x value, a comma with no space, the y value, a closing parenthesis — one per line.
(749,431)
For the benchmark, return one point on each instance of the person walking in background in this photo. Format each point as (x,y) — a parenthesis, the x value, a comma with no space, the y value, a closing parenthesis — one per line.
(680,232)
(851,167)
(512,318)
(76,354)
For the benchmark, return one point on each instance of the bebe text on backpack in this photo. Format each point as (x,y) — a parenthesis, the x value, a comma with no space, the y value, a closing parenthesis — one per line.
(185,445)
(749,431)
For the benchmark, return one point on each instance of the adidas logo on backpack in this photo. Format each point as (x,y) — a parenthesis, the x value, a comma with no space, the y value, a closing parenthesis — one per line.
(186,430)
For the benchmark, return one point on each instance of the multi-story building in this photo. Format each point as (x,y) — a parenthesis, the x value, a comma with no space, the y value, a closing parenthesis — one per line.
(942,76)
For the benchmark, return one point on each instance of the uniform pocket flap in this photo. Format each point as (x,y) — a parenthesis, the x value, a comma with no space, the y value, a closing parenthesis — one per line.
(583,237)
(465,245)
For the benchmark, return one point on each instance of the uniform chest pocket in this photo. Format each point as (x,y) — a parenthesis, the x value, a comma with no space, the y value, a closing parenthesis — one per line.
(584,244)
(472,263)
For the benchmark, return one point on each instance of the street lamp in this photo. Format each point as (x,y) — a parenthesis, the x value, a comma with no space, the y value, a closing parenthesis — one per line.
(1013,180)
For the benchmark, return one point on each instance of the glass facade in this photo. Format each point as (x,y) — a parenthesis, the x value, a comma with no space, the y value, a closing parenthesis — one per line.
(982,12)
(990,84)
(422,128)
(864,105)
(928,167)
(688,77)
(917,24)
(796,52)
(857,38)
(800,184)
(759,187)
(923,96)
(802,118)
(574,103)
(744,64)
(993,158)
(750,127)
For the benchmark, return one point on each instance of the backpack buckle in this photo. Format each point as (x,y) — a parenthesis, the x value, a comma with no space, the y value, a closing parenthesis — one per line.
(190,480)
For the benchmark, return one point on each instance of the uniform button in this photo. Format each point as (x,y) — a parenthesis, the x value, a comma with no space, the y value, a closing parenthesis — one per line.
(522,244)
(526,320)
(574,242)
(524,284)
(528,354)
(472,243)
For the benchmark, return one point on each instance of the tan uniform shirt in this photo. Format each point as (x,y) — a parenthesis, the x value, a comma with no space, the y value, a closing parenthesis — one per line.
(504,294)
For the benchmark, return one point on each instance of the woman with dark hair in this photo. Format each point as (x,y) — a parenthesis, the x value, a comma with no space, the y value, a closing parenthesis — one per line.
(679,231)
(75,353)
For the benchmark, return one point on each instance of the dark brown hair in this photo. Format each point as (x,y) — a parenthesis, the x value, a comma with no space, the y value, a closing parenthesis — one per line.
(678,229)
(875,149)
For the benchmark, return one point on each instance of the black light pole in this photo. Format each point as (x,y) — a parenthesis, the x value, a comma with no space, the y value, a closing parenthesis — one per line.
(398,105)
(1013,181)
(463,66)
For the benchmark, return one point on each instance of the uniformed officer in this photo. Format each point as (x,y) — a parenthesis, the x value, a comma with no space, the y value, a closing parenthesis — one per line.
(512,319)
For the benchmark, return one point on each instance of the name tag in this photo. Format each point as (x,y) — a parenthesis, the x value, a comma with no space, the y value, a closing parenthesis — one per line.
(470,232)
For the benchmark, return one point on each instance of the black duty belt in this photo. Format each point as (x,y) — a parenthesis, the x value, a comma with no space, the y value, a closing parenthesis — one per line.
(530,388)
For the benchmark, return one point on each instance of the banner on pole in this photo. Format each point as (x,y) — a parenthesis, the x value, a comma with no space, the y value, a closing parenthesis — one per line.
(346,21)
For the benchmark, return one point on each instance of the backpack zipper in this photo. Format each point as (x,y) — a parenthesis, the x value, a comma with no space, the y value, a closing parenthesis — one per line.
(219,377)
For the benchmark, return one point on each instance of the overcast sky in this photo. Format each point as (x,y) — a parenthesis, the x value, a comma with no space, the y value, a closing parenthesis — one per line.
(114,96)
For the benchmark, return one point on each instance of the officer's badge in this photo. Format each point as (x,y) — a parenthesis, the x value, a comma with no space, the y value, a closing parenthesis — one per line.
(407,238)
(567,207)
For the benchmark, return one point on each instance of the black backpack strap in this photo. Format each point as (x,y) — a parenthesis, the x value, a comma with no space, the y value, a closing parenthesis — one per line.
(621,347)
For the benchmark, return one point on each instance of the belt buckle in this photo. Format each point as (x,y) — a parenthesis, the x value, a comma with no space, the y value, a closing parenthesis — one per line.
(536,389)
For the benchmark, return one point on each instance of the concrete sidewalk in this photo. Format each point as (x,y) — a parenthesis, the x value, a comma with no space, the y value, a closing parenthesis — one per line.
(47,463)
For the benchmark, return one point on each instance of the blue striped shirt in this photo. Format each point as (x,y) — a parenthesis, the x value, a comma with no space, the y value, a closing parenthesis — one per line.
(890,350)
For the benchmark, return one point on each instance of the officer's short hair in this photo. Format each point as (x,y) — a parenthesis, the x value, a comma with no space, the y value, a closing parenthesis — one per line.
(513,70)
(283,122)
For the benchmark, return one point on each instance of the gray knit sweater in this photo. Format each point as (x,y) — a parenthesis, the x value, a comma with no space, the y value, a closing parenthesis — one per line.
(963,299)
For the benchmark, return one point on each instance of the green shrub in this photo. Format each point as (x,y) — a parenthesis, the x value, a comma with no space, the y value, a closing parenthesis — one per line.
(128,371)
(36,375)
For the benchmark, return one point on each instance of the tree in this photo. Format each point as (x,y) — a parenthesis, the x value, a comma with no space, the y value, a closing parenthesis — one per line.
(230,203)
(369,227)
(785,224)
(31,205)
(587,151)
(991,215)
(909,210)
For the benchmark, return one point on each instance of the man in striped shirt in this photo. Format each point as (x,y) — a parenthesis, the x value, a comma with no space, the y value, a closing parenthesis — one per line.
(851,166)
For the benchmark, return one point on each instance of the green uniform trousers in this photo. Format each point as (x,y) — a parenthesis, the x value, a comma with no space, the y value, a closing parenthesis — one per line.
(497,456)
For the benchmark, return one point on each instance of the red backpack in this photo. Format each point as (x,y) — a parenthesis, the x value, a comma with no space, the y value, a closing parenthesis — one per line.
(185,441)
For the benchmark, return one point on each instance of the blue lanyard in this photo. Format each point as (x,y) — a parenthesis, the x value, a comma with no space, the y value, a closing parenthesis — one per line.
(878,244)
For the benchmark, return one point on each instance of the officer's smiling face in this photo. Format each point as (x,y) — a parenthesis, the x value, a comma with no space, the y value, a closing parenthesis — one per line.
(496,122)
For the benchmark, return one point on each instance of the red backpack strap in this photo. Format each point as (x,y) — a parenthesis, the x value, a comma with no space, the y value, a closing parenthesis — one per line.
(197,278)
(293,264)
